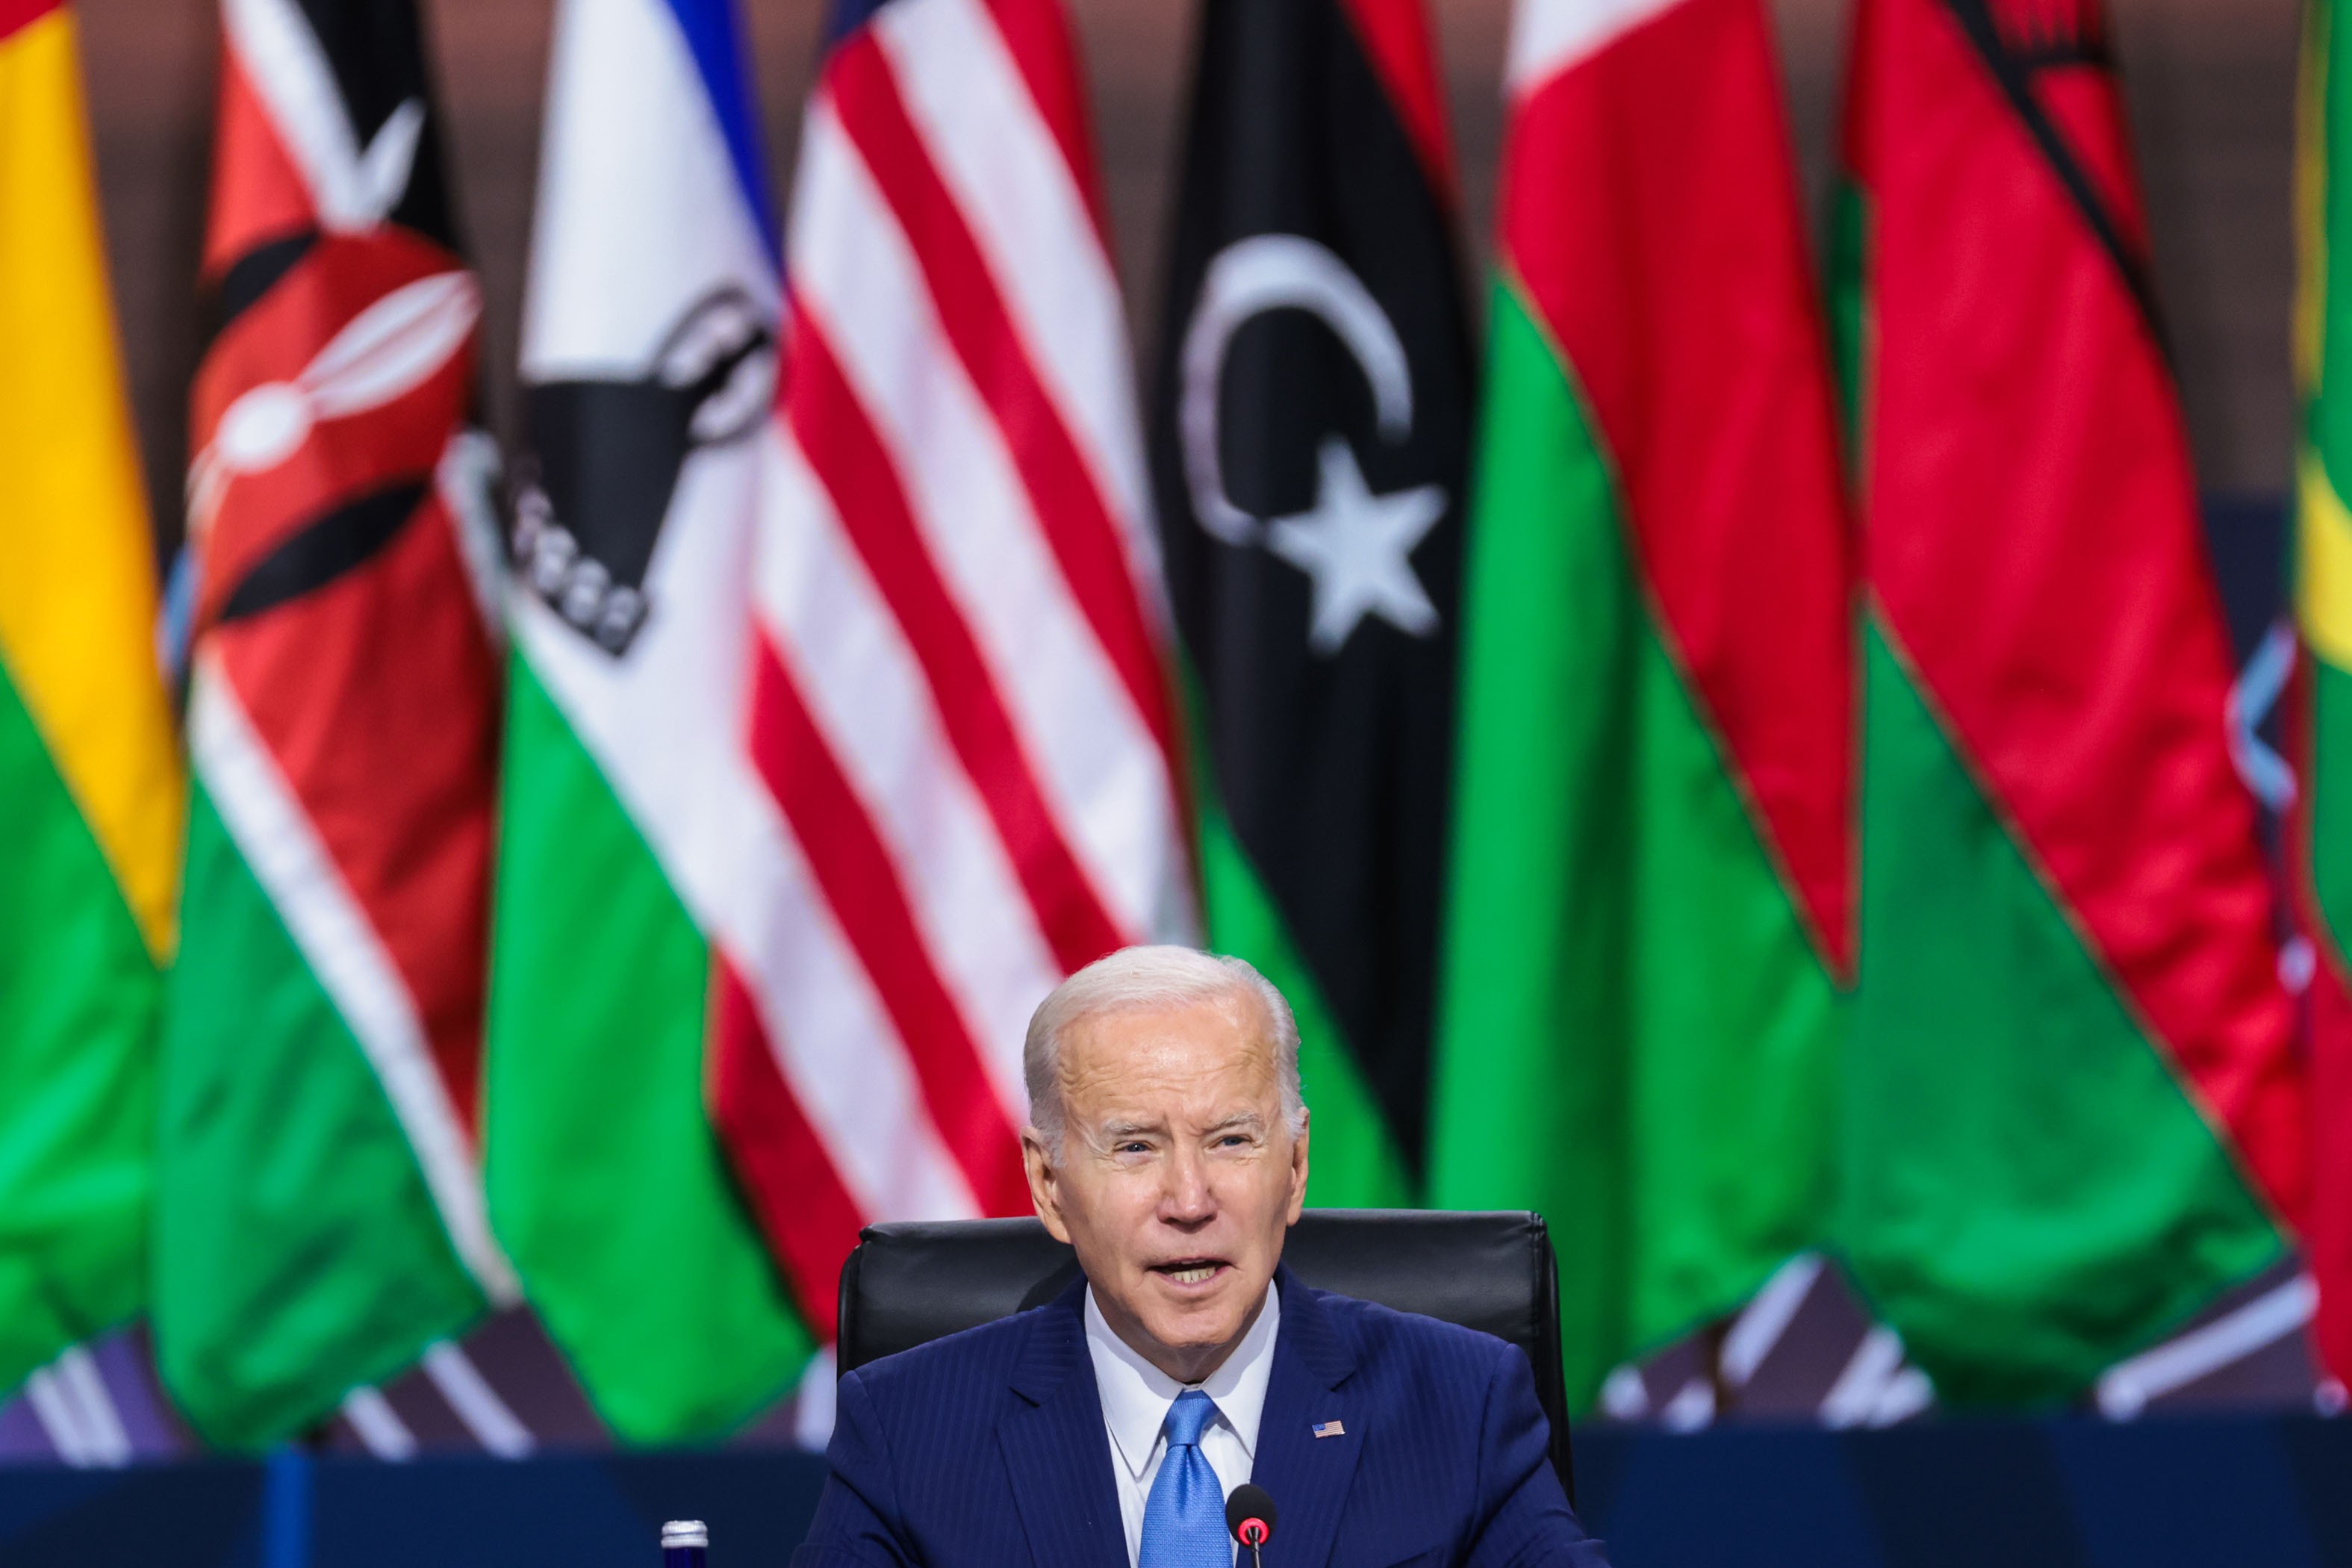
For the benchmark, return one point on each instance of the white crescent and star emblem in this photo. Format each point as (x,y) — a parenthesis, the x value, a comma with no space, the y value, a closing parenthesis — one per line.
(1355,546)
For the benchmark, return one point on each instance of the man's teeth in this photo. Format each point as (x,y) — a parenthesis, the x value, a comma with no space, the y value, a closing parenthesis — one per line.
(1193,1275)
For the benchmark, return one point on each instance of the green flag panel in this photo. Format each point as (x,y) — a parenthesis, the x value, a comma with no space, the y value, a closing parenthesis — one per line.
(2030,1195)
(78,1014)
(607,1183)
(297,1252)
(1636,1035)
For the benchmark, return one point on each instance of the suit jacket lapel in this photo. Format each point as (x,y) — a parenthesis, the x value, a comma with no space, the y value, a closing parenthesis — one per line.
(1306,1476)
(1056,1450)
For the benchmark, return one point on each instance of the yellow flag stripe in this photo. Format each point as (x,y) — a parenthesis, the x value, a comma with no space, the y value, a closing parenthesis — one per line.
(2323,589)
(76,565)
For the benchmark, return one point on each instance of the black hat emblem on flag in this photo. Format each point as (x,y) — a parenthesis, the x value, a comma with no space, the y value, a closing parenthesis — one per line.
(606,456)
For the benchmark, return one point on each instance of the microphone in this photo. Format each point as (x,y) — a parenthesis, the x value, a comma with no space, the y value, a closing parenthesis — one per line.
(1249,1514)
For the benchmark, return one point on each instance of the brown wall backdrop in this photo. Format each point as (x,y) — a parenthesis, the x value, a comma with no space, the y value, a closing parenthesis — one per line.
(2211,85)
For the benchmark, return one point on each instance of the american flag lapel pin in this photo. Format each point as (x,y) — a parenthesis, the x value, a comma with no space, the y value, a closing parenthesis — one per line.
(1330,1429)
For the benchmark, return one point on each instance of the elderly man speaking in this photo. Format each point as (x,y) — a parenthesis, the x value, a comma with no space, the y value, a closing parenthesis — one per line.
(1167,1146)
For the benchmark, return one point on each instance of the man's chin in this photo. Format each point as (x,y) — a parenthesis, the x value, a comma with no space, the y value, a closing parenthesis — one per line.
(1191,1316)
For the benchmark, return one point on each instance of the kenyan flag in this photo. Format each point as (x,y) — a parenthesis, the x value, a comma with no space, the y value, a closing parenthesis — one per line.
(1310,428)
(1651,908)
(319,1213)
(2074,1112)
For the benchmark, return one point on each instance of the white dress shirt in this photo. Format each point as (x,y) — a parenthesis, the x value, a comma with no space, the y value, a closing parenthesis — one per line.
(1136,1395)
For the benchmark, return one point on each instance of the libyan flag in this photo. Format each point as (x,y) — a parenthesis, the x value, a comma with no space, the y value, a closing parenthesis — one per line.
(1651,906)
(2075,1110)
(1309,433)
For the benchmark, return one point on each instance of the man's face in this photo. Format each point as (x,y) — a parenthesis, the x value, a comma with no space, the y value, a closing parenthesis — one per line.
(1178,1175)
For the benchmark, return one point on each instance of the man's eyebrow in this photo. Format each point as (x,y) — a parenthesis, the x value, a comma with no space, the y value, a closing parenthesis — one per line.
(1112,1131)
(1250,1120)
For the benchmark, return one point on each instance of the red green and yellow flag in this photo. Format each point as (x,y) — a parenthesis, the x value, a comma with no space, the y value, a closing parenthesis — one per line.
(2323,820)
(2074,1112)
(89,778)
(1651,901)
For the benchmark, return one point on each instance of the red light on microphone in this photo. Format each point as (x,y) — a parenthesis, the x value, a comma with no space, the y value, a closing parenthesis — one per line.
(1249,1514)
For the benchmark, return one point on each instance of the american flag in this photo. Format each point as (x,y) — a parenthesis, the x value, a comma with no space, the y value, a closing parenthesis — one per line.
(959,698)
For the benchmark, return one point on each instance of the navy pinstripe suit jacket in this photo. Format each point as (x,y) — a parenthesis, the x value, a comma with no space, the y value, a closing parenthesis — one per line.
(987,1449)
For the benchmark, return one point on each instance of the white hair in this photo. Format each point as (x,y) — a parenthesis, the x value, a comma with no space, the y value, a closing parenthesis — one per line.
(1149,980)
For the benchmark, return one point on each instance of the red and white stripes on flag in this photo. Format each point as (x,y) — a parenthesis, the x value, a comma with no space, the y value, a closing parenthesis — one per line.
(960,701)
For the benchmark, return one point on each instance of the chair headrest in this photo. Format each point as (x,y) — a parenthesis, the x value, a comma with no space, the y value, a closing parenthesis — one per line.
(910,1283)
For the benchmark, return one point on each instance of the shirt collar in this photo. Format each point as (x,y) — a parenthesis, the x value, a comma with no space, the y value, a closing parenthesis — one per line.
(1136,1395)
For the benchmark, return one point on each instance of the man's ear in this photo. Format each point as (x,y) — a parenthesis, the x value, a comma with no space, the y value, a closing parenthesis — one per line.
(1045,1188)
(1298,1168)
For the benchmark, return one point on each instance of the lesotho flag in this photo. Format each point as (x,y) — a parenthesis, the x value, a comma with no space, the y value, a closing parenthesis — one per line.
(1310,436)
(648,372)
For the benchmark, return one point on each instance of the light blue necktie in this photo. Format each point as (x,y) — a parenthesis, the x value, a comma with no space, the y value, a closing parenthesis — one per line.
(1184,1520)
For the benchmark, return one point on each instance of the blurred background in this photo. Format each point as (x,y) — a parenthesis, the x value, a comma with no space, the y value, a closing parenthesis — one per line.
(2210,86)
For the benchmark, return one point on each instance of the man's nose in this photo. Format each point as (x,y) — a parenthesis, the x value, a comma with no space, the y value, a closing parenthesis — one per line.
(1185,1198)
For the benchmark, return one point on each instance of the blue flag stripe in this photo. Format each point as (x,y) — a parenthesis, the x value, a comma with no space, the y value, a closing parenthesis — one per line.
(715,34)
(846,18)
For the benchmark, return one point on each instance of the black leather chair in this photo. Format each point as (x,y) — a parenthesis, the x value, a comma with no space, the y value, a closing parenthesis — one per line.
(913,1281)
